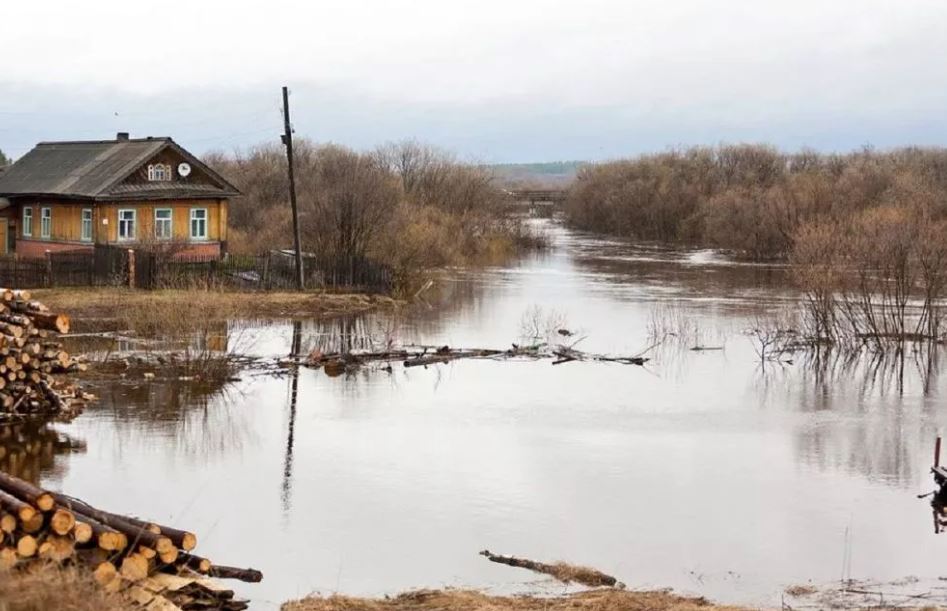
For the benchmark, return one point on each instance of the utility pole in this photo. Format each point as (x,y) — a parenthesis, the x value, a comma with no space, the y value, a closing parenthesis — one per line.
(288,142)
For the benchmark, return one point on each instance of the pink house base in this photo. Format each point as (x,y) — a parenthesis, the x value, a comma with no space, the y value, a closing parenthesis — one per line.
(37,249)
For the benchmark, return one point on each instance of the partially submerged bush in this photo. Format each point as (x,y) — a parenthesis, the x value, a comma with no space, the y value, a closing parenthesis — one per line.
(750,198)
(877,277)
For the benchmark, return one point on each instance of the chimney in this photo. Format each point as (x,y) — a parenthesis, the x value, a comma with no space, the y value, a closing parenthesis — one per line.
(121,136)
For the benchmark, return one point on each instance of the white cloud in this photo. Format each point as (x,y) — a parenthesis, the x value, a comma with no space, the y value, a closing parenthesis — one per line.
(753,64)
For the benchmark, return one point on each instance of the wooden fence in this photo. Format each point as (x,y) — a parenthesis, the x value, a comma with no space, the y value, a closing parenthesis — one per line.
(114,266)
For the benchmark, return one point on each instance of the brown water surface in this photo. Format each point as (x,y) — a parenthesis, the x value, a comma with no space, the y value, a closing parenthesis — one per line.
(702,471)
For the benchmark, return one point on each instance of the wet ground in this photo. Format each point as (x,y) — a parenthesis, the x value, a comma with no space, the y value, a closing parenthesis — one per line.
(703,471)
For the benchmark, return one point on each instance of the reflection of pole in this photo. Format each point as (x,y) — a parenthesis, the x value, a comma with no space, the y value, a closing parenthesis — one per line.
(293,390)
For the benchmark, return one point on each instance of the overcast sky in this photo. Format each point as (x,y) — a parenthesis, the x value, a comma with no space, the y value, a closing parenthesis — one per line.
(510,80)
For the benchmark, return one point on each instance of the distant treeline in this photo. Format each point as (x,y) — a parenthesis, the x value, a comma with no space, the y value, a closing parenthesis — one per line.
(406,205)
(865,232)
(546,175)
(752,199)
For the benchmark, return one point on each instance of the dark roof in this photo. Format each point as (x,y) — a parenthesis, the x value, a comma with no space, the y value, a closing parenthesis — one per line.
(94,169)
(162,190)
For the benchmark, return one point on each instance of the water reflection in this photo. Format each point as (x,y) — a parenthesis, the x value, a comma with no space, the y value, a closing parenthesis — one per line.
(295,351)
(638,471)
(35,451)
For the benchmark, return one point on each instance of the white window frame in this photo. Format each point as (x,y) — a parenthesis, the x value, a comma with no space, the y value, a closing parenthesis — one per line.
(121,221)
(45,222)
(28,222)
(205,221)
(85,223)
(169,221)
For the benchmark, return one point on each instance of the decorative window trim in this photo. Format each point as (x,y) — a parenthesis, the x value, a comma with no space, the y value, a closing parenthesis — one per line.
(45,222)
(169,221)
(159,172)
(84,223)
(203,221)
(28,222)
(134,225)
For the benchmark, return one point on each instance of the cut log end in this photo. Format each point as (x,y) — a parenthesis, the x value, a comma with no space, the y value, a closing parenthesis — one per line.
(82,532)
(7,523)
(170,557)
(26,547)
(113,541)
(26,514)
(45,502)
(33,525)
(188,542)
(134,567)
(62,522)
(56,548)
(104,573)
(164,545)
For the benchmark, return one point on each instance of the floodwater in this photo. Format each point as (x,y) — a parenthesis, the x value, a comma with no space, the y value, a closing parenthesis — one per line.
(702,471)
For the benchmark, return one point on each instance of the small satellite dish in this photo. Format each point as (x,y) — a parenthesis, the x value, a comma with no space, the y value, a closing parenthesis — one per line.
(184,169)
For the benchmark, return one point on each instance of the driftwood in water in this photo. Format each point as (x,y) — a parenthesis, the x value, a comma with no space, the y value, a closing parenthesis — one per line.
(230,572)
(562,571)
(422,356)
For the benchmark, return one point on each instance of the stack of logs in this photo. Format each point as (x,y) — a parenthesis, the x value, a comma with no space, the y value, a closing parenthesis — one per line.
(42,526)
(30,355)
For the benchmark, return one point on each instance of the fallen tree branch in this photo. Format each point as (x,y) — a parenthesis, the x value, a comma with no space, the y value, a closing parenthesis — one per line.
(422,356)
(562,571)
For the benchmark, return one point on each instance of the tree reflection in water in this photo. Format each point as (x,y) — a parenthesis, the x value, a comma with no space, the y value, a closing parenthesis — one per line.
(866,412)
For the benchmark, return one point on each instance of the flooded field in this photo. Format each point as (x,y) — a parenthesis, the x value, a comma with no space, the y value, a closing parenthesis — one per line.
(702,471)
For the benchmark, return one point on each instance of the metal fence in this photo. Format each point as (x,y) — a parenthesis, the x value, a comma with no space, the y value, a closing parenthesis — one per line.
(115,266)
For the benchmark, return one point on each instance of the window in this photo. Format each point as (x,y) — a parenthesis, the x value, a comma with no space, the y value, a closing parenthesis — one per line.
(86,232)
(45,222)
(163,229)
(126,224)
(198,223)
(27,222)
(159,171)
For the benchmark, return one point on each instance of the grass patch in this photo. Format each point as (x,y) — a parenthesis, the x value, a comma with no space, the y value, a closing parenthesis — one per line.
(466,600)
(174,312)
(51,587)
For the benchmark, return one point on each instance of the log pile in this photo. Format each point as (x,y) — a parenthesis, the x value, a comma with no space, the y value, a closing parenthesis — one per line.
(30,355)
(124,554)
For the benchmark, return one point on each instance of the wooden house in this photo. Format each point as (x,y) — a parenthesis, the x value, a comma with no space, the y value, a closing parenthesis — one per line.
(140,193)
